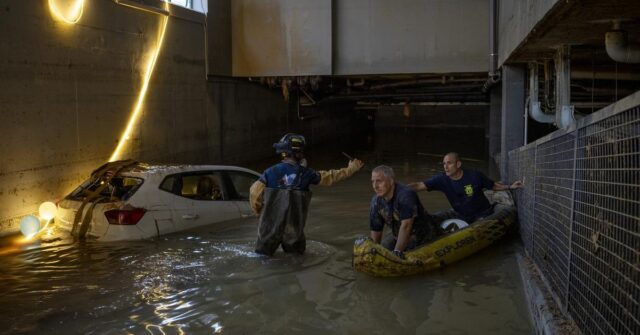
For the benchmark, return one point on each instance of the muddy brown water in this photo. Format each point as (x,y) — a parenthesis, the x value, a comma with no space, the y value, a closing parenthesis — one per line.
(208,280)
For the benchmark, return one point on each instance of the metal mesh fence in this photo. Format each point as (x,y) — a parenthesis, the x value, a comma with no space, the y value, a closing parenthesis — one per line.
(605,285)
(552,210)
(580,220)
(522,166)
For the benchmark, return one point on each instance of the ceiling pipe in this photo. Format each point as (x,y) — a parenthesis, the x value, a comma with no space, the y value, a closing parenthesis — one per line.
(604,75)
(493,46)
(618,47)
(534,104)
(425,81)
(564,110)
(494,74)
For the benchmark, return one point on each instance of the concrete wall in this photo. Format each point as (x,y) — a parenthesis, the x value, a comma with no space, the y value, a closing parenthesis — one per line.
(434,36)
(311,37)
(252,118)
(219,38)
(281,37)
(66,92)
(516,20)
(432,130)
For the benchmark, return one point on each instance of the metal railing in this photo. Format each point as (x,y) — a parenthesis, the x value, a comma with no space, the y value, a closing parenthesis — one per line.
(579,216)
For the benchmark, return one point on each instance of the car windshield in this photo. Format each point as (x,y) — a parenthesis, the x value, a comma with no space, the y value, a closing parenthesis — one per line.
(119,188)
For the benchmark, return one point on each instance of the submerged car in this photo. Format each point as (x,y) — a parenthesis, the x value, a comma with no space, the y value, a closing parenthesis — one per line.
(132,201)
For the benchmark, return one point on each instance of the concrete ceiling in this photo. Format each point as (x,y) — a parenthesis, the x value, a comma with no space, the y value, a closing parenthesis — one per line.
(580,23)
(597,80)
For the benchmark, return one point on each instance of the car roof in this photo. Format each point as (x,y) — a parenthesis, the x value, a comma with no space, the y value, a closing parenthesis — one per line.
(144,169)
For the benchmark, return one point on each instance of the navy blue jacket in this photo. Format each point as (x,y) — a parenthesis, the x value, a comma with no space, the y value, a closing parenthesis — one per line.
(465,195)
(405,204)
(290,176)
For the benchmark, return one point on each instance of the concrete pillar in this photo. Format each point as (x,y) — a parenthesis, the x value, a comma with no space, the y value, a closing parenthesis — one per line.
(495,130)
(513,100)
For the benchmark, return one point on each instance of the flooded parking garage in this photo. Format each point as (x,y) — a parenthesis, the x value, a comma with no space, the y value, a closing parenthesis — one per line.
(209,280)
(85,83)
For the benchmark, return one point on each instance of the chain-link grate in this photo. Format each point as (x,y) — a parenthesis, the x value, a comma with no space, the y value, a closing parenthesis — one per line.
(523,168)
(553,200)
(580,218)
(605,287)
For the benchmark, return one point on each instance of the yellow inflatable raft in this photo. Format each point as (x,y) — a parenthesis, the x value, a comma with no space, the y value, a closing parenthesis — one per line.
(374,259)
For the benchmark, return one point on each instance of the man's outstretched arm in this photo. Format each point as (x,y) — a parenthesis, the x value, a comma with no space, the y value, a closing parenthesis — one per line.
(497,186)
(328,178)
(418,186)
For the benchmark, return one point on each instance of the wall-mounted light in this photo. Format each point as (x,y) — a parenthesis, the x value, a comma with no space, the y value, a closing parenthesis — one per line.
(47,210)
(71,14)
(29,226)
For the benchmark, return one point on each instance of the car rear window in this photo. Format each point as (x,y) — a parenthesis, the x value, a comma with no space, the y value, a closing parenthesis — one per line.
(120,188)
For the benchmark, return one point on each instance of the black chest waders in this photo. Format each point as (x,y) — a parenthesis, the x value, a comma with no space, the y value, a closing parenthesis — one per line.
(282,221)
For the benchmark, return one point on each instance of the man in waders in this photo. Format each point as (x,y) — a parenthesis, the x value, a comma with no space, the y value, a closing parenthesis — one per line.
(281,196)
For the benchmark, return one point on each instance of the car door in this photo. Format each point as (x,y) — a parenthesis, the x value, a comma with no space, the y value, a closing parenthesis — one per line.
(193,207)
(162,206)
(239,183)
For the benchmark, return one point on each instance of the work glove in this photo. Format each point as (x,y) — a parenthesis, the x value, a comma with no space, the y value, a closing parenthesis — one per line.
(328,178)
(354,166)
(256,199)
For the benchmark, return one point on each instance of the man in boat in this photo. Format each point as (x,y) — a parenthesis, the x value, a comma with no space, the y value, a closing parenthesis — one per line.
(398,207)
(281,196)
(464,189)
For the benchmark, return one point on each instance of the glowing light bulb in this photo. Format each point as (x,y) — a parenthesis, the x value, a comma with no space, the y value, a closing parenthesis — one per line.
(48,210)
(29,226)
(66,11)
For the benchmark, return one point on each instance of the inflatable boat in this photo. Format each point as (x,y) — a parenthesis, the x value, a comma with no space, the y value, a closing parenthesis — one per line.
(374,259)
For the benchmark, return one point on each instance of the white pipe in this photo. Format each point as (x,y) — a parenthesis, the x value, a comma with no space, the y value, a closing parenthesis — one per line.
(534,104)
(619,49)
(493,46)
(567,117)
(536,113)
(526,123)
(564,110)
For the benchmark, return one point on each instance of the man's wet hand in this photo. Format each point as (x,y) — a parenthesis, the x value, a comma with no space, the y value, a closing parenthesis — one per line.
(399,254)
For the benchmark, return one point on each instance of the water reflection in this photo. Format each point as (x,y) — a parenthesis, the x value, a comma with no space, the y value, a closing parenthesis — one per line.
(210,281)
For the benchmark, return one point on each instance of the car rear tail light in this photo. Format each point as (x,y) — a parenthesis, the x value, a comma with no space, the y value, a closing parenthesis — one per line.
(125,216)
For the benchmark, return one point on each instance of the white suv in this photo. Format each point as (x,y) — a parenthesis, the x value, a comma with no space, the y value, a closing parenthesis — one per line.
(136,201)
